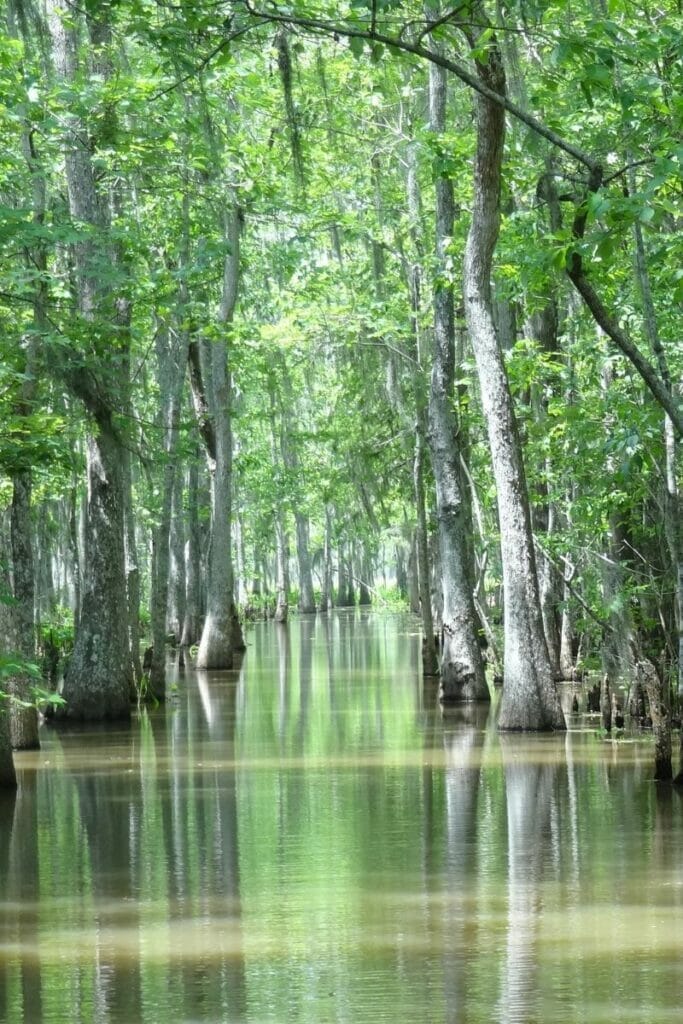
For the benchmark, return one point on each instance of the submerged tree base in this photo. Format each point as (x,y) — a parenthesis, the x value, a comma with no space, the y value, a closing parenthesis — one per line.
(62,714)
(462,691)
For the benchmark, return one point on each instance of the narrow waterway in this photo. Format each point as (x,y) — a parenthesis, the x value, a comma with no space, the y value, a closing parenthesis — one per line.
(311,839)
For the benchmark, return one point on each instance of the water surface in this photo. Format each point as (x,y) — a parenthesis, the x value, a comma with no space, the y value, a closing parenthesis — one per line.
(311,839)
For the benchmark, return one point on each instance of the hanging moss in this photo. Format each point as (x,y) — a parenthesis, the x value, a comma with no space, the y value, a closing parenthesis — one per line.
(284,63)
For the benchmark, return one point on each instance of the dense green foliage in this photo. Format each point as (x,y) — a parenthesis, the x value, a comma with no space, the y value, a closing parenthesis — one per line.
(310,118)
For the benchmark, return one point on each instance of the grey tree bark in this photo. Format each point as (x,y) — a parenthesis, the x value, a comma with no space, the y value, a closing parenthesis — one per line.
(192,621)
(326,589)
(278,449)
(8,775)
(462,669)
(98,679)
(303,555)
(430,661)
(543,328)
(530,699)
(171,348)
(212,389)
(177,582)
(132,571)
(292,463)
(282,569)
(23,721)
(366,576)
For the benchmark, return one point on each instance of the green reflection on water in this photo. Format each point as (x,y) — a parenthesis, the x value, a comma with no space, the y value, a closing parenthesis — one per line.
(311,839)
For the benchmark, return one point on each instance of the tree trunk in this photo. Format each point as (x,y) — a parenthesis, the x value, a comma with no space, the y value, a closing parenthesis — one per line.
(177,582)
(661,720)
(413,579)
(23,721)
(216,645)
(213,407)
(430,662)
(340,597)
(673,525)
(8,775)
(171,354)
(462,669)
(98,680)
(192,622)
(306,596)
(326,589)
(75,550)
(365,574)
(350,601)
(530,698)
(543,327)
(282,575)
(132,573)
(617,655)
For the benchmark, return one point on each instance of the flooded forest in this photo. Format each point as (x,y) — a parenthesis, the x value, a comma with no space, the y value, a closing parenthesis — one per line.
(341,548)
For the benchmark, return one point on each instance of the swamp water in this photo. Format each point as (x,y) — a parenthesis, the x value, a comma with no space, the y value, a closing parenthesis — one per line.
(313,840)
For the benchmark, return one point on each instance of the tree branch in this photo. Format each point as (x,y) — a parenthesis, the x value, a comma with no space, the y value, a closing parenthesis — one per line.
(577,275)
(396,43)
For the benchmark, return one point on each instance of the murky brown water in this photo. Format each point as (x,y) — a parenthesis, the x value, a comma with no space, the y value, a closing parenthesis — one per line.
(311,840)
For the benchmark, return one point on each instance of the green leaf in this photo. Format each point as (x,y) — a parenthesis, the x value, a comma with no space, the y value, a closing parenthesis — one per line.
(356,45)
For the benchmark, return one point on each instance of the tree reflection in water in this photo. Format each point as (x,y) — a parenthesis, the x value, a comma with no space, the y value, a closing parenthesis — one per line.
(529,796)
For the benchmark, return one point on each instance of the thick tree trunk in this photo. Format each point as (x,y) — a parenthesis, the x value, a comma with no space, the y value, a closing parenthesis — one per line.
(98,681)
(8,775)
(617,654)
(350,601)
(213,406)
(462,669)
(75,552)
(177,582)
(430,661)
(530,698)
(413,579)
(306,596)
(216,645)
(171,354)
(366,576)
(543,328)
(549,598)
(673,524)
(156,684)
(567,636)
(192,622)
(661,720)
(23,721)
(132,573)
(326,589)
(282,572)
